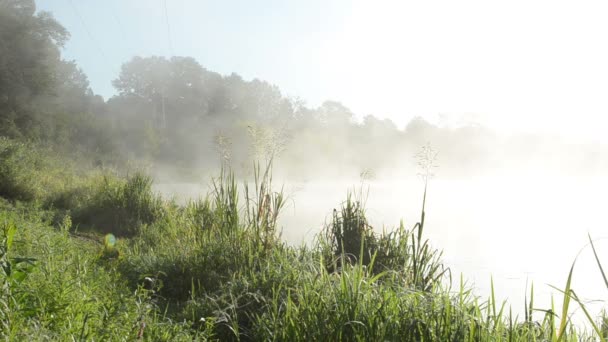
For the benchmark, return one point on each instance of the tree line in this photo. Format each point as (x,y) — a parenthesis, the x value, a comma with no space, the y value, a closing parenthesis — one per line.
(173,111)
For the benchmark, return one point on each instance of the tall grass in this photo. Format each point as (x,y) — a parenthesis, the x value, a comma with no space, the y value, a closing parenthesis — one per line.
(349,235)
(216,269)
(263,207)
(570,295)
(65,291)
(28,173)
(121,207)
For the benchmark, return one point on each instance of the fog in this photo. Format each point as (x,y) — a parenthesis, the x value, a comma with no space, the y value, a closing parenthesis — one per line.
(515,208)
(514,204)
(517,227)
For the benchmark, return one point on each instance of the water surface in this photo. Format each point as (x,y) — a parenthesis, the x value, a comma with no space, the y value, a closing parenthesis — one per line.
(518,229)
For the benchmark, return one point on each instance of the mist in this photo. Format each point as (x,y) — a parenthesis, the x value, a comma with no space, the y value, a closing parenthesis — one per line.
(516,206)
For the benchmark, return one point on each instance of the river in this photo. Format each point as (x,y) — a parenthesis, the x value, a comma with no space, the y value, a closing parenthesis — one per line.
(519,229)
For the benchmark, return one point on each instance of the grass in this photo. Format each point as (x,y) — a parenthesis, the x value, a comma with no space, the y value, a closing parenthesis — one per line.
(121,207)
(216,269)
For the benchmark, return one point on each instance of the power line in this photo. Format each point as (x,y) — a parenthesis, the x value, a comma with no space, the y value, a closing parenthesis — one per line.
(117,19)
(84,25)
(168,28)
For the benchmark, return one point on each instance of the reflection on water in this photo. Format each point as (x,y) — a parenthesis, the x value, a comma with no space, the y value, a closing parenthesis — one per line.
(516,229)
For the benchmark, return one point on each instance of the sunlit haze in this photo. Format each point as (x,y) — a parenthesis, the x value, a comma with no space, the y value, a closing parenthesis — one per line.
(294,170)
(515,66)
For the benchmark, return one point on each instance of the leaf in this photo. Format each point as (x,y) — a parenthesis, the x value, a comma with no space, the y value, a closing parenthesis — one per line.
(565,305)
(10,230)
(589,318)
(599,264)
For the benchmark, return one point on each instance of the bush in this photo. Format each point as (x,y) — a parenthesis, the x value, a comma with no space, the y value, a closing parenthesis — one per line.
(349,235)
(18,178)
(59,289)
(121,207)
(349,239)
(29,173)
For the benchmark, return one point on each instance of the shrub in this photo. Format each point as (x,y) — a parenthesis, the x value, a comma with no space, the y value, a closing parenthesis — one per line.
(18,180)
(29,173)
(350,238)
(121,207)
(216,239)
(349,235)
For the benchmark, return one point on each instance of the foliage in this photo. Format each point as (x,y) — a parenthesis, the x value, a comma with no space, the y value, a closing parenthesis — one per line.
(263,208)
(30,47)
(212,269)
(29,172)
(12,272)
(42,97)
(168,111)
(15,172)
(349,235)
(72,294)
(215,268)
(121,207)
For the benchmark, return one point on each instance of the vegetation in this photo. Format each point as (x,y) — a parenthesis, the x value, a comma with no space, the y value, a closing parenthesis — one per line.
(89,252)
(215,269)
(168,112)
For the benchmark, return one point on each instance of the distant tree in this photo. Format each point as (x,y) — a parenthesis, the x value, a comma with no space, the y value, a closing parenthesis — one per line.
(161,105)
(334,113)
(419,131)
(29,56)
(172,87)
(187,106)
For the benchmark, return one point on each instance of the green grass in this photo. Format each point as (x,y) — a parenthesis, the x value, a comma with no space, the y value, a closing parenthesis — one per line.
(216,269)
(120,206)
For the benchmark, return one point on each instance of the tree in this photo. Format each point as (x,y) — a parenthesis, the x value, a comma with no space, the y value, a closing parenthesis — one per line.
(334,113)
(172,87)
(29,54)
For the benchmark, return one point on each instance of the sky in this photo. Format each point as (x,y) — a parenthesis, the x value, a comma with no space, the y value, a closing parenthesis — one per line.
(531,66)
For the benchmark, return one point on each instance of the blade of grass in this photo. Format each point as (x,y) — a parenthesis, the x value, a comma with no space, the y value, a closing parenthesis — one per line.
(566,304)
(599,264)
(589,318)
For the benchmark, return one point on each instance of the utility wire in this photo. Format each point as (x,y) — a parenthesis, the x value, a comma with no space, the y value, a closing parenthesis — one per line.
(117,19)
(93,40)
(168,28)
(84,25)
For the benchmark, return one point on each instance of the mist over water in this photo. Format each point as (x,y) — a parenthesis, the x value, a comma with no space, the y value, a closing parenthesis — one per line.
(519,229)
(174,91)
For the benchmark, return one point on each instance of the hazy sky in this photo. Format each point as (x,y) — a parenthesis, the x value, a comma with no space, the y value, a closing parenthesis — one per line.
(523,65)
